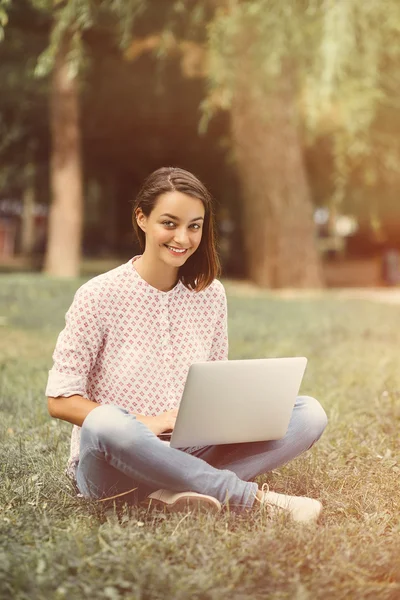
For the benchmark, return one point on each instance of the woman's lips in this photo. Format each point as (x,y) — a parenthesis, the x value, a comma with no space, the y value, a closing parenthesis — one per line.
(179,252)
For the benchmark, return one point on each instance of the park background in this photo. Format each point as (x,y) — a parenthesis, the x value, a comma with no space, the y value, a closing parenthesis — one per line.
(289,112)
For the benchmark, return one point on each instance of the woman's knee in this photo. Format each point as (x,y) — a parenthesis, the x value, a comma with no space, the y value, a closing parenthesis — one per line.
(313,417)
(109,426)
(103,422)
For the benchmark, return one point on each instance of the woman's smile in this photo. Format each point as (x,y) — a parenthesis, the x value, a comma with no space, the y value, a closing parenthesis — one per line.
(176,251)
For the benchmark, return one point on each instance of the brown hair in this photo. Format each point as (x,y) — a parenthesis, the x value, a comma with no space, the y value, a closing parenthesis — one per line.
(203,266)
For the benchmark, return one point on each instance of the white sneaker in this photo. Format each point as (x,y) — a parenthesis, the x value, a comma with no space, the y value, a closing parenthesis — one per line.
(300,508)
(183,501)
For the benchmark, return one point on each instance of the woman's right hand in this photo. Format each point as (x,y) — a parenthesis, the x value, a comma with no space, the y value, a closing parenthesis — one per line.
(163,422)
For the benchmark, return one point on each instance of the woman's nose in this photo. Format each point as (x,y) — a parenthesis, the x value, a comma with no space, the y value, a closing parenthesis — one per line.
(181,237)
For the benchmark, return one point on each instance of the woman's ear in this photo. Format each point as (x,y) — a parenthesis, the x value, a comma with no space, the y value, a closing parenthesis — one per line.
(141,219)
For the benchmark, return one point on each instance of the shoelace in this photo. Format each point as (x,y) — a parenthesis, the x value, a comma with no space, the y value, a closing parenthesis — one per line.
(273,506)
(272,509)
(265,490)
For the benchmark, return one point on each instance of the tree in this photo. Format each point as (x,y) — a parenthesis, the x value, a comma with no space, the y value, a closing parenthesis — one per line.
(64,59)
(284,70)
(277,209)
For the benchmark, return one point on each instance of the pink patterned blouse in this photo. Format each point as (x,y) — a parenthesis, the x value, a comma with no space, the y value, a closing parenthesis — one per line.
(130,344)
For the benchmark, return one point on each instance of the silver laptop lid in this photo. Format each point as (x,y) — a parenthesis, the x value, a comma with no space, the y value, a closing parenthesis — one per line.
(234,401)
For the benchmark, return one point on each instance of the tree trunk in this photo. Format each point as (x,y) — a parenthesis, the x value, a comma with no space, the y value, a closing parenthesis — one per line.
(28,212)
(279,231)
(66,213)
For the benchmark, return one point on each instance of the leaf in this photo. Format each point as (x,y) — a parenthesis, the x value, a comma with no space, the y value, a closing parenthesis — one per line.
(3,18)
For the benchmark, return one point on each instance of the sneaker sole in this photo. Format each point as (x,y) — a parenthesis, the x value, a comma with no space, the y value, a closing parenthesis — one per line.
(186,504)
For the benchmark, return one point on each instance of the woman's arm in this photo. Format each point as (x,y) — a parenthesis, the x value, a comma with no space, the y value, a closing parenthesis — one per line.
(75,409)
(77,346)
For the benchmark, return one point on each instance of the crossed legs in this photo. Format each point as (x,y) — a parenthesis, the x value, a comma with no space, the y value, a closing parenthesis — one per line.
(119,453)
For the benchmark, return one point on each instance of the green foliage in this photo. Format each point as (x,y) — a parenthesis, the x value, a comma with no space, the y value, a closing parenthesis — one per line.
(4,4)
(125,11)
(341,55)
(337,49)
(55,545)
(74,17)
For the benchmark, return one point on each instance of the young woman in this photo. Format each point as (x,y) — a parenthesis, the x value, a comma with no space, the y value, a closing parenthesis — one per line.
(121,362)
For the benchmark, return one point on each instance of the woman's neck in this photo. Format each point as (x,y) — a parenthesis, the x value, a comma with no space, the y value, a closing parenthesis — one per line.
(157,275)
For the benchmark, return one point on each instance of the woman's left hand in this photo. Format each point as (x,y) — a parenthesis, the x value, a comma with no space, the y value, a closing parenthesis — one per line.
(163,422)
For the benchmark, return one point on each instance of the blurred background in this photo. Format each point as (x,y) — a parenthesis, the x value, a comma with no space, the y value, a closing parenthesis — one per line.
(288,111)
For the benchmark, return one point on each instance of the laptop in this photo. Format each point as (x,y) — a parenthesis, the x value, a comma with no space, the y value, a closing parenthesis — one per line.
(233,401)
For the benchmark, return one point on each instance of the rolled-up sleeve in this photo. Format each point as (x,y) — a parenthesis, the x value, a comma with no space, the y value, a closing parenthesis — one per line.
(220,345)
(77,346)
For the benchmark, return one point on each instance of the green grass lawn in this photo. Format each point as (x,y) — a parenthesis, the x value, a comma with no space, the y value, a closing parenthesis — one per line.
(54,545)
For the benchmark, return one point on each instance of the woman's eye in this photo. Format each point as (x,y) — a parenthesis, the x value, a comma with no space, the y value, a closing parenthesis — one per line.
(170,224)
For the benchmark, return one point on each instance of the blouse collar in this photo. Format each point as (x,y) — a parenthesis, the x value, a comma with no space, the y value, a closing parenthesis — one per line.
(143,283)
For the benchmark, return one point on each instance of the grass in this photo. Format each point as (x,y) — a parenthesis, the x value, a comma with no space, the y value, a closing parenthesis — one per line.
(54,545)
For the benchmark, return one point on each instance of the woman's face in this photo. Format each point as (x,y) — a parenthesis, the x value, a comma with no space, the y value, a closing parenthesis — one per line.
(174,227)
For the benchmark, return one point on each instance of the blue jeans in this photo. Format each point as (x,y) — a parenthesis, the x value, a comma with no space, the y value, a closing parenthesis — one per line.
(119,453)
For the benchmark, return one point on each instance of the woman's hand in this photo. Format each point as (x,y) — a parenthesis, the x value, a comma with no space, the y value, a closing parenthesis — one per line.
(160,423)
